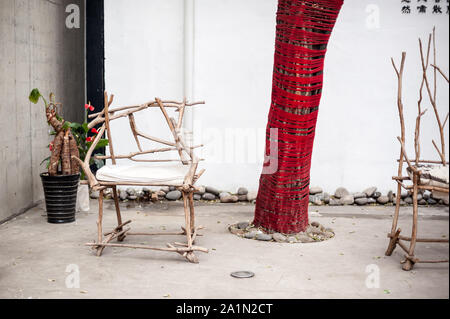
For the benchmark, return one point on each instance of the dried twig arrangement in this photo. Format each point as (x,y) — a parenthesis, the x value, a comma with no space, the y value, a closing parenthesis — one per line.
(414,165)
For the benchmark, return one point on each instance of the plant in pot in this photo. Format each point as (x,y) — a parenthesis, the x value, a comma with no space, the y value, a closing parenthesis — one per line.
(61,180)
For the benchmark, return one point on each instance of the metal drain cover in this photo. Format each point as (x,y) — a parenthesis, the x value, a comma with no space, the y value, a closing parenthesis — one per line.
(242,274)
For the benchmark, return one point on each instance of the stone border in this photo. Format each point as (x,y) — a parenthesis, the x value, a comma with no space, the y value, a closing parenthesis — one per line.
(318,197)
(315,233)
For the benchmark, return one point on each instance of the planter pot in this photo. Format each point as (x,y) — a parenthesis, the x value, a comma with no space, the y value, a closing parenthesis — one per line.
(60,197)
(83,198)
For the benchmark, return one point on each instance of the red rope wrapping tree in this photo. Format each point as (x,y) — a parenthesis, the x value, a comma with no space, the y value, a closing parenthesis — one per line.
(303,31)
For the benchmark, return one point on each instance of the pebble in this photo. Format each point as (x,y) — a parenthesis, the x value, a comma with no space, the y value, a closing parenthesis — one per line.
(427,195)
(315,224)
(391,196)
(419,197)
(146,190)
(328,234)
(383,200)
(123,195)
(370,191)
(432,201)
(409,200)
(212,190)
(251,196)
(166,189)
(313,231)
(303,238)
(292,239)
(334,202)
(197,197)
(318,202)
(95,194)
(243,225)
(242,198)
(131,191)
(347,200)
(251,235)
(376,195)
(201,190)
(242,191)
(209,196)
(315,190)
(161,194)
(359,195)
(173,195)
(172,188)
(223,194)
(326,198)
(341,192)
(263,237)
(280,238)
(371,201)
(361,201)
(229,199)
(445,201)
(423,202)
(404,195)
(132,197)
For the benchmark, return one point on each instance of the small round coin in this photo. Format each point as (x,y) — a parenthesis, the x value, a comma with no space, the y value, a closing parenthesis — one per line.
(242,274)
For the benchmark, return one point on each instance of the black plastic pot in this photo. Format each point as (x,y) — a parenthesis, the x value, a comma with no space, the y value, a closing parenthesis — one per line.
(60,197)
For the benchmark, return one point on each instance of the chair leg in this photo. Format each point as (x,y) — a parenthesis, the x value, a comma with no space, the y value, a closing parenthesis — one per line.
(190,256)
(191,210)
(119,215)
(394,232)
(409,264)
(100,224)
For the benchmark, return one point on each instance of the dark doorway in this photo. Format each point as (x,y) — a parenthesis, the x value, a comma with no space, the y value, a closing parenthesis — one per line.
(95,53)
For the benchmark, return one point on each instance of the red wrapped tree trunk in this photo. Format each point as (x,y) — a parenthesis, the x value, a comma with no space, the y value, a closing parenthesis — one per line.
(303,30)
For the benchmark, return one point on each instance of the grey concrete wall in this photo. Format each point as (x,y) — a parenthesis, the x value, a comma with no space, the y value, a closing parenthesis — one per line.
(36,51)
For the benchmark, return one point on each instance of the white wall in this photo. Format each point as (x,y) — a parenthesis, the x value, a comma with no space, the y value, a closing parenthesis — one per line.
(234,43)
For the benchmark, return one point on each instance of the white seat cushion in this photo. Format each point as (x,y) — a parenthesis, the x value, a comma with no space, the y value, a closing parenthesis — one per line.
(433,175)
(154,174)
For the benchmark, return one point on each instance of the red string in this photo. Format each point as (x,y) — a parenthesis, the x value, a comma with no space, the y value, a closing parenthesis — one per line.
(303,31)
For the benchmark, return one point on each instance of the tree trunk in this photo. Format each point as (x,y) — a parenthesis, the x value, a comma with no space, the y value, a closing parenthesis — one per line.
(303,31)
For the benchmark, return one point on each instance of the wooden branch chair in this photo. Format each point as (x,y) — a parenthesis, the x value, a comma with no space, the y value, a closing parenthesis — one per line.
(183,174)
(421,175)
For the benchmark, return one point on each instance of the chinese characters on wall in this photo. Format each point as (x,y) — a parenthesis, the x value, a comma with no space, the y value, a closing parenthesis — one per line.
(436,7)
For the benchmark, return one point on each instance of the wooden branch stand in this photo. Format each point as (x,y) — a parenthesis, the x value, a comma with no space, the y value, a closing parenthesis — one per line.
(187,157)
(413,166)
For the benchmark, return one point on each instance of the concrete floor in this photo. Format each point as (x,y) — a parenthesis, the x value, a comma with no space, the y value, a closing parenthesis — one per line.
(35,256)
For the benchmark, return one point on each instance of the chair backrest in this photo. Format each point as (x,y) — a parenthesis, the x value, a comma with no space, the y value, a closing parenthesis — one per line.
(177,143)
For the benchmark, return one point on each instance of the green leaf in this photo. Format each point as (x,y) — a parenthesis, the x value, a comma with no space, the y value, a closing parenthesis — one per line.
(85,127)
(102,143)
(34,96)
(66,125)
(47,159)
(75,126)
